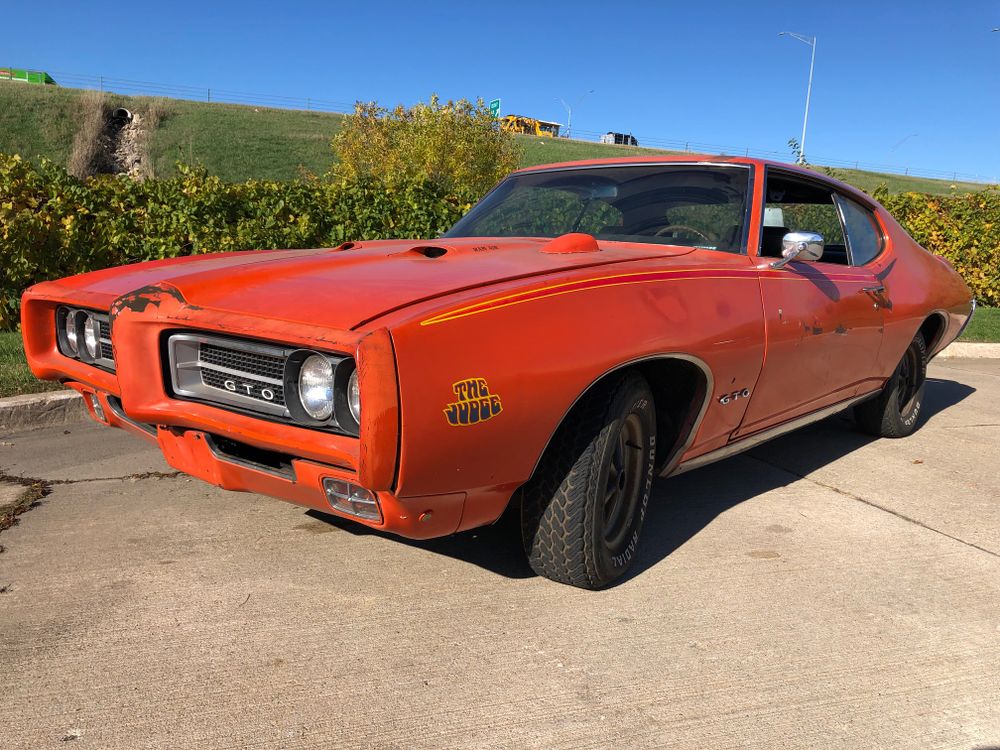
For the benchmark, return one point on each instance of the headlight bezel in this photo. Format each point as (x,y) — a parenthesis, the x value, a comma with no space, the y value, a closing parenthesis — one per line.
(340,416)
(67,319)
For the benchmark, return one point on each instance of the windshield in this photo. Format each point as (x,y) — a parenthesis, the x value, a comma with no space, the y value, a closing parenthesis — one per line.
(692,205)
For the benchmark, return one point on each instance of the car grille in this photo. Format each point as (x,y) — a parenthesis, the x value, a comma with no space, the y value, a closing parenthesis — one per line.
(247,363)
(231,373)
(107,352)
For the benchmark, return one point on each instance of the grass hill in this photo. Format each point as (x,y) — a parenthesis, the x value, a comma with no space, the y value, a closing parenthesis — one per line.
(233,141)
(238,142)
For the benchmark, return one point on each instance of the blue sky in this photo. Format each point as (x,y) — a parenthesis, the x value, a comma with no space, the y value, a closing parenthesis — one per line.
(900,83)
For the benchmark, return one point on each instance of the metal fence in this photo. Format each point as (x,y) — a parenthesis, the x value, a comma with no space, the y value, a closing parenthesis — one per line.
(196,93)
(276,101)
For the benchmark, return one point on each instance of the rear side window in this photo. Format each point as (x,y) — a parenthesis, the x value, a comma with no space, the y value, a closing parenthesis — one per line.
(863,236)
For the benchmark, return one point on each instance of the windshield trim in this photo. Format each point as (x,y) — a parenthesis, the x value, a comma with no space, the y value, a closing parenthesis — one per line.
(627,164)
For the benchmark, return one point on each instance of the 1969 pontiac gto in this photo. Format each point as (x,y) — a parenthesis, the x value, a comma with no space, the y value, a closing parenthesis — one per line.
(584,329)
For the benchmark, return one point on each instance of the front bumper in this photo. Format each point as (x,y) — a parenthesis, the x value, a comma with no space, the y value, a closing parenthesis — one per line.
(195,452)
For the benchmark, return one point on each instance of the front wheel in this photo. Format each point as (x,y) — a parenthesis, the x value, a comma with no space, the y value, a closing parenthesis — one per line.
(894,412)
(582,512)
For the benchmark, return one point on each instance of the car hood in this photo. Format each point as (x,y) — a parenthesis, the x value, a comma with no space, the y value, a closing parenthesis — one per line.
(348,286)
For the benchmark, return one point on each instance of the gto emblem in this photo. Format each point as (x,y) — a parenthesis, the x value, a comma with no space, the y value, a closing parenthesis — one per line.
(265,393)
(728,398)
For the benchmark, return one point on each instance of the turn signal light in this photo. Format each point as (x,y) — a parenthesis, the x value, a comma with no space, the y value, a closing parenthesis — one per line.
(351,499)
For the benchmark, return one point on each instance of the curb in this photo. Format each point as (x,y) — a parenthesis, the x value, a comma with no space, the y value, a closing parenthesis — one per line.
(969,350)
(37,410)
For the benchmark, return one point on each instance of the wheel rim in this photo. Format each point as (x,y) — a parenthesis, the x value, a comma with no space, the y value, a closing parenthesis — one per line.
(621,491)
(908,381)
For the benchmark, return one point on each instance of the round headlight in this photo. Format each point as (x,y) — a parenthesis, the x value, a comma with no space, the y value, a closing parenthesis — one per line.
(92,336)
(316,386)
(71,341)
(354,396)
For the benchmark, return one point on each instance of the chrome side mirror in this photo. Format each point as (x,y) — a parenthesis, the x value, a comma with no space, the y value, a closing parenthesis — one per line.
(799,246)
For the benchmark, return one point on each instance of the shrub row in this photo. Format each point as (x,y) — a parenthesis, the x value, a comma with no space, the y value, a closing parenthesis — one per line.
(963,228)
(53,225)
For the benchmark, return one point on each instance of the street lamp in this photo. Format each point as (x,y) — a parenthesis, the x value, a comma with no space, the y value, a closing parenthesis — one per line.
(901,141)
(569,111)
(811,41)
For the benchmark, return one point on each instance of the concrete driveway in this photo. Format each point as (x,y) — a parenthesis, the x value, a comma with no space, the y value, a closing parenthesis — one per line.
(825,590)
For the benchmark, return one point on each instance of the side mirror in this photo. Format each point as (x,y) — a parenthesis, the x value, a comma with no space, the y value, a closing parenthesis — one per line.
(799,246)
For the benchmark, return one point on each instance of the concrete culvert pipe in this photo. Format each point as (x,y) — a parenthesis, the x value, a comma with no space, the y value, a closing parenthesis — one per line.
(121,114)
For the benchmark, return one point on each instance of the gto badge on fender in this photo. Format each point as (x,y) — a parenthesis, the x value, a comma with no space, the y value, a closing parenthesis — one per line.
(728,398)
(475,403)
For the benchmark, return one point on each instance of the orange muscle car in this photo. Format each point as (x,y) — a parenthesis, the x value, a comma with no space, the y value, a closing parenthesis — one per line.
(586,328)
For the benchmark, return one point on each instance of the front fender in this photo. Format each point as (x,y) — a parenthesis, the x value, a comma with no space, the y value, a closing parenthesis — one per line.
(518,369)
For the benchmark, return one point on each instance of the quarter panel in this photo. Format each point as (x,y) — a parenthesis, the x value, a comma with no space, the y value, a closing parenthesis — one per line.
(917,284)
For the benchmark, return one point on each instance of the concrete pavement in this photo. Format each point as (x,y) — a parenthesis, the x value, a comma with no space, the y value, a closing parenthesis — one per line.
(825,590)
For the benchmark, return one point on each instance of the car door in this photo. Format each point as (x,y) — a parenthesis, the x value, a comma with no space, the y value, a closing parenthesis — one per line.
(823,319)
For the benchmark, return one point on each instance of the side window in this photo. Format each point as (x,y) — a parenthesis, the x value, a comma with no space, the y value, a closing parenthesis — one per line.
(862,233)
(793,205)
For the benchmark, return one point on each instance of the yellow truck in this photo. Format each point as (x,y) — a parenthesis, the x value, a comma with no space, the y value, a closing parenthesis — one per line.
(529,126)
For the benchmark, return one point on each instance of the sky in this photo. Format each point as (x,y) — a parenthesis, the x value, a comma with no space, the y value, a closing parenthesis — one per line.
(909,84)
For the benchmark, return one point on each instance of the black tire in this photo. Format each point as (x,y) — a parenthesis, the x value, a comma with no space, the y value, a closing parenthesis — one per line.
(894,413)
(582,511)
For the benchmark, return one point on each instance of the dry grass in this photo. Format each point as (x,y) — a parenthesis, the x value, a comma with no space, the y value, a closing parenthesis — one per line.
(88,155)
(149,120)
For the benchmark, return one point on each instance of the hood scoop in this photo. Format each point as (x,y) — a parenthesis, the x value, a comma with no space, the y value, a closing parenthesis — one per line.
(430,251)
(574,242)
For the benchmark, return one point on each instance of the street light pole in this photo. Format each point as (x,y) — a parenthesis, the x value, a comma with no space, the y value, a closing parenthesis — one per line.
(569,111)
(811,41)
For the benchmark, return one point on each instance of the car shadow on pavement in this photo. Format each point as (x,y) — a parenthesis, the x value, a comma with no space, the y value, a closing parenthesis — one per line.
(682,506)
(496,548)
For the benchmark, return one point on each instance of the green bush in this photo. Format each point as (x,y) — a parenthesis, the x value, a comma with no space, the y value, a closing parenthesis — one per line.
(965,229)
(54,225)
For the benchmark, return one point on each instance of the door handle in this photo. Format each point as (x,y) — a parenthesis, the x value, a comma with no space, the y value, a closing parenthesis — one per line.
(877,293)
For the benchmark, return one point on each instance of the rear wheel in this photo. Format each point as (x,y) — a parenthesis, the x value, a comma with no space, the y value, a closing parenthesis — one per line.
(895,411)
(582,512)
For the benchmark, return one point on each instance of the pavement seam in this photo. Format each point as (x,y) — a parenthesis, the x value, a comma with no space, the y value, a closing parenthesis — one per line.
(131,477)
(872,504)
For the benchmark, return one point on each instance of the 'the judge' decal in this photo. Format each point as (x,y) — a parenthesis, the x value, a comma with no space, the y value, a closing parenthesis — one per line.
(475,403)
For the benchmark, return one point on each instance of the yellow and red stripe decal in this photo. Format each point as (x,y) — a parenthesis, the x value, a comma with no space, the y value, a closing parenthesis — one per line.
(599,282)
